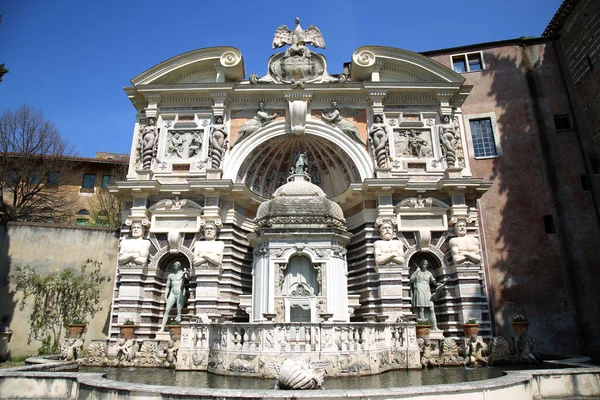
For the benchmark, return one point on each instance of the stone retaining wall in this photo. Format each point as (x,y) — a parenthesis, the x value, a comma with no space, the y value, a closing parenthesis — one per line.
(50,248)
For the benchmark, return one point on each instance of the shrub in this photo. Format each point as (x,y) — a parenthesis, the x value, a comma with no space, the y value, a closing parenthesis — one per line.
(58,299)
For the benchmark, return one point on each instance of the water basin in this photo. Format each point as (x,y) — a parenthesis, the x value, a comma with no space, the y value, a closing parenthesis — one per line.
(397,378)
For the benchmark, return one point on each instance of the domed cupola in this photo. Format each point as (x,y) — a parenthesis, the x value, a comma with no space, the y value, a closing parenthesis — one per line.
(299,202)
(299,269)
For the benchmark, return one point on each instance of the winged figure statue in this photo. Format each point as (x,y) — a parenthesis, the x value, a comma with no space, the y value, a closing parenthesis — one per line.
(297,39)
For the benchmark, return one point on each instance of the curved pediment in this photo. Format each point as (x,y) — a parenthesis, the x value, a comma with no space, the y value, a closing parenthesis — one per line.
(213,64)
(388,64)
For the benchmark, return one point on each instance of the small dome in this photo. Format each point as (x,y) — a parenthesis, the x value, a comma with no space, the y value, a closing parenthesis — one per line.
(300,202)
(299,187)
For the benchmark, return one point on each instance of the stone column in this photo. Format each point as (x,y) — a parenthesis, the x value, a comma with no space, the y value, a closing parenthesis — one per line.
(262,284)
(337,286)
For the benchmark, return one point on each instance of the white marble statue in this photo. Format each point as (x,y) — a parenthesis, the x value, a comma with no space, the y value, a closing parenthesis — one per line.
(335,118)
(464,248)
(260,119)
(208,253)
(175,292)
(420,293)
(388,250)
(135,250)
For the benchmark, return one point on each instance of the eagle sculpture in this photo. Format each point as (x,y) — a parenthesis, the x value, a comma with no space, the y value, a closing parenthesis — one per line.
(298,36)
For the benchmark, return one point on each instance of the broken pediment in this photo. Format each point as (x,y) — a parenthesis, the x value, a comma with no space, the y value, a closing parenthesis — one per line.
(388,64)
(210,65)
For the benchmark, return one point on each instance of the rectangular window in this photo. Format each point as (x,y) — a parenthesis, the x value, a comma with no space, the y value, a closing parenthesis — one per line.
(585,183)
(475,62)
(89,181)
(595,165)
(35,178)
(562,121)
(467,62)
(54,178)
(107,180)
(13,177)
(458,64)
(549,224)
(483,137)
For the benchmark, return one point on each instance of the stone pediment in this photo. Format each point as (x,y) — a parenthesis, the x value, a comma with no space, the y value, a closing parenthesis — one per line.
(209,65)
(387,64)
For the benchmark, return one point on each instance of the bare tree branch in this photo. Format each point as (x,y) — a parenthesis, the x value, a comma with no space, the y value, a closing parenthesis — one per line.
(32,166)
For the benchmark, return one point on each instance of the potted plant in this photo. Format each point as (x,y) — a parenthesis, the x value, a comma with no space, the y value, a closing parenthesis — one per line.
(520,324)
(471,327)
(174,329)
(77,327)
(127,329)
(423,328)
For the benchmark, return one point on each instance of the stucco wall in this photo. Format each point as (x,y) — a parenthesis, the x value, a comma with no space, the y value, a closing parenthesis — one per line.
(49,248)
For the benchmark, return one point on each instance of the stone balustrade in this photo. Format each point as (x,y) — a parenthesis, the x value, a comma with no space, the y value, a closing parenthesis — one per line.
(350,348)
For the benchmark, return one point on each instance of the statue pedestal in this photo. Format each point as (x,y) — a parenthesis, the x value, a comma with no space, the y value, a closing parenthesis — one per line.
(436,335)
(163,336)
(383,172)
(453,173)
(213,173)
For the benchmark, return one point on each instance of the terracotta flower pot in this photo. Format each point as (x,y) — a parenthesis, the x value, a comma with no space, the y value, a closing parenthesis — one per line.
(76,330)
(470,329)
(520,327)
(174,331)
(127,331)
(423,331)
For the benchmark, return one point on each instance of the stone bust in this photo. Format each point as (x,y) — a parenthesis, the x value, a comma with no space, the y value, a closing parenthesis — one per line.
(464,248)
(134,250)
(388,250)
(208,253)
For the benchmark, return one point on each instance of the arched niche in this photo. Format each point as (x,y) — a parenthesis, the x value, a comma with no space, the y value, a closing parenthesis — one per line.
(300,279)
(433,260)
(263,160)
(165,261)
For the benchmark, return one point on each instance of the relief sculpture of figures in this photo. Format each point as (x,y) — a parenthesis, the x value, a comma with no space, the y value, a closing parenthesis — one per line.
(447,138)
(208,253)
(415,143)
(218,142)
(175,292)
(184,144)
(420,292)
(335,118)
(379,140)
(388,250)
(148,140)
(464,248)
(134,251)
(260,119)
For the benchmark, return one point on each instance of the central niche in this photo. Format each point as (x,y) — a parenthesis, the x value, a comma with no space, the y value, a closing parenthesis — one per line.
(268,165)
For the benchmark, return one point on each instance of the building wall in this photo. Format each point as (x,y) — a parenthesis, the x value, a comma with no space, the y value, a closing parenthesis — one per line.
(543,274)
(49,248)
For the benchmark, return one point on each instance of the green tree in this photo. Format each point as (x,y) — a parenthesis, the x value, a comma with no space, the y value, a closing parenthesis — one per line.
(58,298)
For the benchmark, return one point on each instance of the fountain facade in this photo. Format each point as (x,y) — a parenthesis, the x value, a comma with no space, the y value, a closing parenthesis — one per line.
(290,216)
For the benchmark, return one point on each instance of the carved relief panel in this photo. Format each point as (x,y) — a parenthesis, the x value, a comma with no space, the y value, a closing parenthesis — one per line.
(413,143)
(183,144)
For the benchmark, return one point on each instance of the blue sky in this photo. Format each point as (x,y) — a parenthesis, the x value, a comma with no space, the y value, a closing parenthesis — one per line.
(72,58)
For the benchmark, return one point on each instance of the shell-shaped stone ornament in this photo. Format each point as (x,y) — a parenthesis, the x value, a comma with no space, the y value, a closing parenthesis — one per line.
(297,374)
